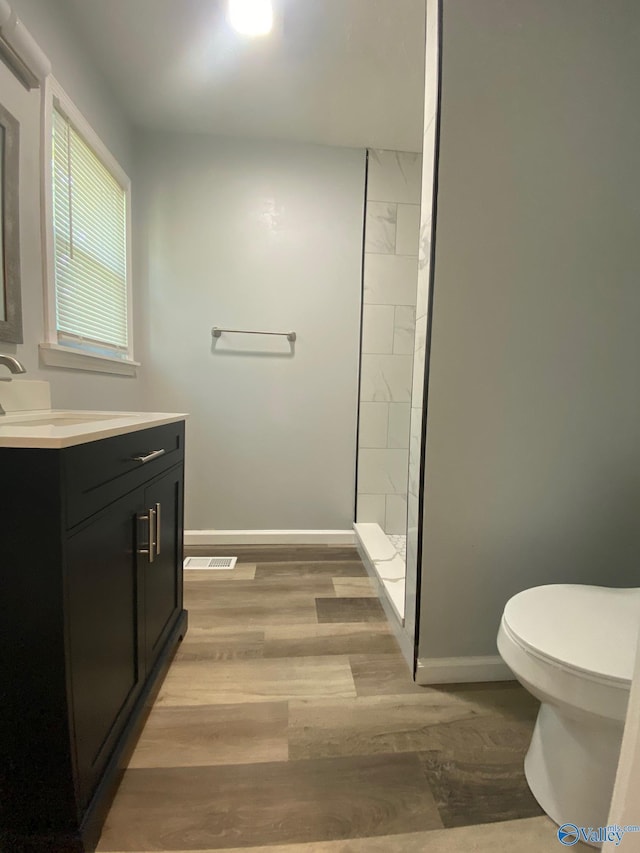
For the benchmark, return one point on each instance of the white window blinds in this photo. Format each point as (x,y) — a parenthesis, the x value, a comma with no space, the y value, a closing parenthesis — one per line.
(90,246)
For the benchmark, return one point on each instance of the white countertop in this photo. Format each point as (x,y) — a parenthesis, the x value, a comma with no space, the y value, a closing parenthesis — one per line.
(39,428)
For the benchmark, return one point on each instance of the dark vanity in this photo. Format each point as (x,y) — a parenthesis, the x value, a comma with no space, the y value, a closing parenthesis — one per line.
(92,612)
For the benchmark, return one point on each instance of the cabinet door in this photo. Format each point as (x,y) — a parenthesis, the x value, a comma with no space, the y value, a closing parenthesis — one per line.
(163,576)
(106,661)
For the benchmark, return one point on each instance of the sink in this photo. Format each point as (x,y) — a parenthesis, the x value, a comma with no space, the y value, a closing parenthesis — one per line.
(62,420)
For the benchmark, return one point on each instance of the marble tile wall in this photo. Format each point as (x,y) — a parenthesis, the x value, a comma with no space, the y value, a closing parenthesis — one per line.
(422,309)
(392,237)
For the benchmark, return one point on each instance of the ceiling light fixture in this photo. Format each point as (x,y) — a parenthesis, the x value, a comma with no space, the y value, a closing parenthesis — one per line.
(251,17)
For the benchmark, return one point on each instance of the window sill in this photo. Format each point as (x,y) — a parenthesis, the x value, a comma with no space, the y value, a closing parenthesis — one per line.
(55,355)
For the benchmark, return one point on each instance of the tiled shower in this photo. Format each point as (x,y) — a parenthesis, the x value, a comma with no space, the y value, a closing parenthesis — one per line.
(392,230)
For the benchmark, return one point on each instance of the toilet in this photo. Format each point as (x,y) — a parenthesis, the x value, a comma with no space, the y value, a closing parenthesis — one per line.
(573,647)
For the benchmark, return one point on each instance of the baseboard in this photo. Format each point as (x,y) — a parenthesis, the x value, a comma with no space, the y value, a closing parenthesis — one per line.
(462,670)
(269,537)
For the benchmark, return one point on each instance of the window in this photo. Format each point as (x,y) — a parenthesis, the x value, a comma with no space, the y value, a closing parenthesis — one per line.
(89,298)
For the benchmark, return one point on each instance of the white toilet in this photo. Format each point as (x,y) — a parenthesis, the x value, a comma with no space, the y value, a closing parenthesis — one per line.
(573,647)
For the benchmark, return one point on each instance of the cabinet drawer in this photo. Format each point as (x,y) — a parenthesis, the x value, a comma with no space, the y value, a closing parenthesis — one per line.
(98,473)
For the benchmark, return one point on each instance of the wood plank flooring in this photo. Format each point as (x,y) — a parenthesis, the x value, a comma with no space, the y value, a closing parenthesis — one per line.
(349,610)
(289,722)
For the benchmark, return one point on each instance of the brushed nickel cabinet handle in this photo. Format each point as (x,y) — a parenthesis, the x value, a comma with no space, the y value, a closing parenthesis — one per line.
(152,535)
(158,511)
(150,518)
(153,455)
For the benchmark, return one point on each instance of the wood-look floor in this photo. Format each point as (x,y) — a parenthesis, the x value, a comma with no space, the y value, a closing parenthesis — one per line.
(289,721)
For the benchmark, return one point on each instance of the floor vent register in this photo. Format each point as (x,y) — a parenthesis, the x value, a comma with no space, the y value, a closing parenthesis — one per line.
(210,562)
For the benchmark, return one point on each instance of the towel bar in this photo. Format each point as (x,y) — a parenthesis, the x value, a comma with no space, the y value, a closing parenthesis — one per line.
(216,332)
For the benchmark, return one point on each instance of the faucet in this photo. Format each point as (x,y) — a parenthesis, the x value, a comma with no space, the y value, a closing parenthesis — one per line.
(15,367)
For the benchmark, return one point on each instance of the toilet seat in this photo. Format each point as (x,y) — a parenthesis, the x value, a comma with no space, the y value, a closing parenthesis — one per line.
(587,630)
(573,646)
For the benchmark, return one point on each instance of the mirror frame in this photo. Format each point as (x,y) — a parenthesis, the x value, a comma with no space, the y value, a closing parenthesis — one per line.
(11,326)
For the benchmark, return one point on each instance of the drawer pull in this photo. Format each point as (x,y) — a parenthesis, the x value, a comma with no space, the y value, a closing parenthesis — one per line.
(153,455)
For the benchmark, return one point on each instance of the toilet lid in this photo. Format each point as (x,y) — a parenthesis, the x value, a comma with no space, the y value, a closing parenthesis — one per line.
(589,628)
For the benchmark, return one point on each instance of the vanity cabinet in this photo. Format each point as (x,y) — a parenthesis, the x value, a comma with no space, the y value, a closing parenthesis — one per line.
(91,597)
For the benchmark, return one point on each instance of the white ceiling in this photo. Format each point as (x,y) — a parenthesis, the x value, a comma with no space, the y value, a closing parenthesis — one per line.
(334,72)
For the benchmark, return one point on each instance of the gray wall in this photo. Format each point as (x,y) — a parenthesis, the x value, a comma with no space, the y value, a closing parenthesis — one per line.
(48,23)
(533,446)
(257,236)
